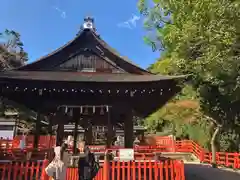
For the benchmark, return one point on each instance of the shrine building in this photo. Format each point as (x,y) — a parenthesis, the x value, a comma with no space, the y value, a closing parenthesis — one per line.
(86,82)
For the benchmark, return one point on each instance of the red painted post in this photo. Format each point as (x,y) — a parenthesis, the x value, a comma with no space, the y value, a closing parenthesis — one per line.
(44,175)
(166,167)
(161,171)
(11,168)
(3,169)
(139,170)
(226,159)
(106,167)
(182,171)
(236,159)
(172,168)
(174,143)
(118,170)
(150,170)
(201,155)
(113,167)
(26,170)
(134,170)
(15,171)
(144,170)
(156,170)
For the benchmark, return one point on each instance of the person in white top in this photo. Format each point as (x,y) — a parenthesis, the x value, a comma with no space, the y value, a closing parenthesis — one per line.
(58,167)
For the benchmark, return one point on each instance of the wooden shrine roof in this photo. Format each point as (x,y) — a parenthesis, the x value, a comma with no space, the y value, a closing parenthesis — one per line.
(86,44)
(84,37)
(68,67)
(83,77)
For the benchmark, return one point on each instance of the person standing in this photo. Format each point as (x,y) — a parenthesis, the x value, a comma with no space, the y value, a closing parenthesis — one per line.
(87,166)
(58,167)
(22,144)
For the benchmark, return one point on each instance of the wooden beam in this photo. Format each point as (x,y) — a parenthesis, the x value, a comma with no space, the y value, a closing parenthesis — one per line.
(76,118)
(88,134)
(60,129)
(50,125)
(110,130)
(128,130)
(37,131)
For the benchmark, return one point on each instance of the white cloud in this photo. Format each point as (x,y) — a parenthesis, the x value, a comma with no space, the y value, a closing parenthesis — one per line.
(130,23)
(62,13)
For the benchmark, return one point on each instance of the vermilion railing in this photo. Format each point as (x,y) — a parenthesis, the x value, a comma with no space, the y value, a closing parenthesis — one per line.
(44,142)
(163,144)
(147,170)
(28,170)
(227,159)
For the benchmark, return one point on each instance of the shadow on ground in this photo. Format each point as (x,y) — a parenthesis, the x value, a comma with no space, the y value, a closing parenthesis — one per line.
(206,172)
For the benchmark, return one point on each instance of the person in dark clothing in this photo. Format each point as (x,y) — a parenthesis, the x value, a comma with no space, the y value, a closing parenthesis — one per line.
(87,165)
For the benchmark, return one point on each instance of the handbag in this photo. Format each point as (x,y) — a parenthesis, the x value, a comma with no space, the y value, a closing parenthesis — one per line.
(95,169)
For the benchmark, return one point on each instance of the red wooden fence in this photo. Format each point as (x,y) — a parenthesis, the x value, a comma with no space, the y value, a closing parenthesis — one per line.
(164,170)
(44,142)
(227,159)
(23,170)
(49,141)
(163,144)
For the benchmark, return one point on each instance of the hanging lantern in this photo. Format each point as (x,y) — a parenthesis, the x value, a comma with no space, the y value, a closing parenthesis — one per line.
(40,92)
(107,108)
(81,110)
(101,111)
(94,110)
(66,109)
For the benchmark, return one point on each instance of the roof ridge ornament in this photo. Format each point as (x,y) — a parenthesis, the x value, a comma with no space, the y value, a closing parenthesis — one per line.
(88,23)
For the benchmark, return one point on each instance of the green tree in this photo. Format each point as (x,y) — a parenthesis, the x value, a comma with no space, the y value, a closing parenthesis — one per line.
(202,38)
(12,54)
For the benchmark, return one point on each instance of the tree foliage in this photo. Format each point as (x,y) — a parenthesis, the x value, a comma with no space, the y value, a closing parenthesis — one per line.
(202,38)
(12,54)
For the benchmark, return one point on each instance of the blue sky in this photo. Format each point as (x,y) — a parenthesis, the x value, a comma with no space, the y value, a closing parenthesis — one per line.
(46,25)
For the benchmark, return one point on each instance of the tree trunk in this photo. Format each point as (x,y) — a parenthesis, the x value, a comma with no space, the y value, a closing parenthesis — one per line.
(213,146)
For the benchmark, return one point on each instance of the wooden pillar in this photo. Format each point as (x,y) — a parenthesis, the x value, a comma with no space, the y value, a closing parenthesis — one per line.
(88,133)
(50,132)
(16,127)
(110,132)
(37,131)
(60,134)
(76,118)
(50,125)
(60,128)
(128,130)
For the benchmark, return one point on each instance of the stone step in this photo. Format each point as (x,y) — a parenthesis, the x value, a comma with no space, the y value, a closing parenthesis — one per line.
(180,156)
